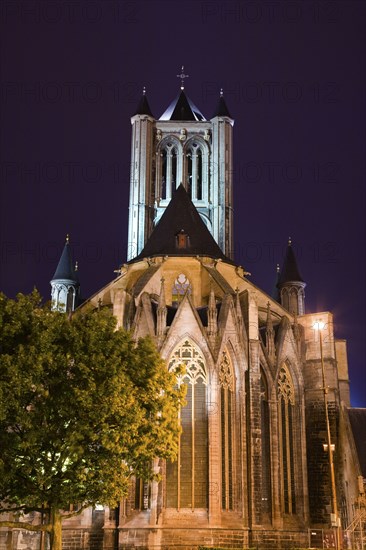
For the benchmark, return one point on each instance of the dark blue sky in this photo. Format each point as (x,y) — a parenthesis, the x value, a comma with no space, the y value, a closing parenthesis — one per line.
(293,75)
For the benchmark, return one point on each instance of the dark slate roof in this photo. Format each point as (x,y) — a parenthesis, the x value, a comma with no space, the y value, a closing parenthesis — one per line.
(143,108)
(221,109)
(220,280)
(289,271)
(181,214)
(65,268)
(182,108)
(144,279)
(357,419)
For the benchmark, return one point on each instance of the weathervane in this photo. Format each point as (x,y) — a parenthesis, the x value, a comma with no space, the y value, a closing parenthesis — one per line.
(182,76)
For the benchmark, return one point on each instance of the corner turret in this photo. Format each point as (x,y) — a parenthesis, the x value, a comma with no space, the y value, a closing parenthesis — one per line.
(65,282)
(290,284)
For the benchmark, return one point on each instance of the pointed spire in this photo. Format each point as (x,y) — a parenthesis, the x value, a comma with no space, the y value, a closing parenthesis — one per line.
(270,344)
(182,108)
(275,294)
(290,283)
(290,270)
(269,327)
(211,300)
(143,108)
(212,315)
(65,282)
(238,308)
(65,269)
(162,301)
(161,311)
(221,108)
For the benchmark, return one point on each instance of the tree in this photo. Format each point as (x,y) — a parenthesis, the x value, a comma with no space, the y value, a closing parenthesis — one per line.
(82,409)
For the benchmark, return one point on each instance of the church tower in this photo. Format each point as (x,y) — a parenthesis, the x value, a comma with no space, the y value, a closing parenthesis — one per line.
(65,283)
(181,147)
(254,401)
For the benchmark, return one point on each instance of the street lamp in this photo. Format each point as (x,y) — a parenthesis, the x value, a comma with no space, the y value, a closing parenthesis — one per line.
(329,447)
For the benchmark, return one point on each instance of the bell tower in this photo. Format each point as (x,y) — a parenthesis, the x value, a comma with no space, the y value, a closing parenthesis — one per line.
(181,147)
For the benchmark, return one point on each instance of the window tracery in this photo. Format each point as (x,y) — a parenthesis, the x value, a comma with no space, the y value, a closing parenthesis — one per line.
(187,478)
(286,407)
(196,169)
(226,380)
(181,286)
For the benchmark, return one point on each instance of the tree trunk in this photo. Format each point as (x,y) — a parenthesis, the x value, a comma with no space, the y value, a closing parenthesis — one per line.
(56,533)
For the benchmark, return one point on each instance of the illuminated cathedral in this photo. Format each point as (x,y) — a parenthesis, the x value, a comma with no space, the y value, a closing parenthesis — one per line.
(256,459)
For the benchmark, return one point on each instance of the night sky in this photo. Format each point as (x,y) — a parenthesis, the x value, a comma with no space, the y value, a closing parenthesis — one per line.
(293,75)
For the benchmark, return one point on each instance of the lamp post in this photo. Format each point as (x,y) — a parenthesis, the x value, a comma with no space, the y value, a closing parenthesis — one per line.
(319,326)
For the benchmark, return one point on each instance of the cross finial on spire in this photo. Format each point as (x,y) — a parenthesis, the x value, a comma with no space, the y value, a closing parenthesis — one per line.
(289,241)
(182,76)
(144,90)
(67,238)
(76,266)
(221,92)
(278,268)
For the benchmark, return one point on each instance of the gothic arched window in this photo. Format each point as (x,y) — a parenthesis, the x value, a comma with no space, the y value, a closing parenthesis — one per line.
(70,300)
(168,172)
(226,380)
(187,477)
(195,173)
(286,403)
(180,287)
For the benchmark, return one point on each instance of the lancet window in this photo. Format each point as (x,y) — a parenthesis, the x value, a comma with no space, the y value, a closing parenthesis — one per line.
(187,477)
(168,169)
(226,380)
(196,170)
(286,407)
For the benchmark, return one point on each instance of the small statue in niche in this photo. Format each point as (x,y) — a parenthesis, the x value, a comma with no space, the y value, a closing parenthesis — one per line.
(183,134)
(158,135)
(207,135)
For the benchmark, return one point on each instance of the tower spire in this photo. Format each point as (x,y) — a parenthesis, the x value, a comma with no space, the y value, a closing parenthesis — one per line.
(64,283)
(238,309)
(290,283)
(143,107)
(221,108)
(162,311)
(212,315)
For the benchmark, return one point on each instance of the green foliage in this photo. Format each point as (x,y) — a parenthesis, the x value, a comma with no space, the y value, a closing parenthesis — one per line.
(82,407)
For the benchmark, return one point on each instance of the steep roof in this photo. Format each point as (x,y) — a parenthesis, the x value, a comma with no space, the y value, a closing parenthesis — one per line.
(357,419)
(181,218)
(182,108)
(65,268)
(290,270)
(143,108)
(221,108)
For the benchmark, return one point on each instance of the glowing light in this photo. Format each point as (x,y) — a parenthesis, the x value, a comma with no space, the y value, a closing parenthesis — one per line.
(319,325)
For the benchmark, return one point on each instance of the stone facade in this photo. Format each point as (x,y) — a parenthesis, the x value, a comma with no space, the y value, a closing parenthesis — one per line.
(252,471)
